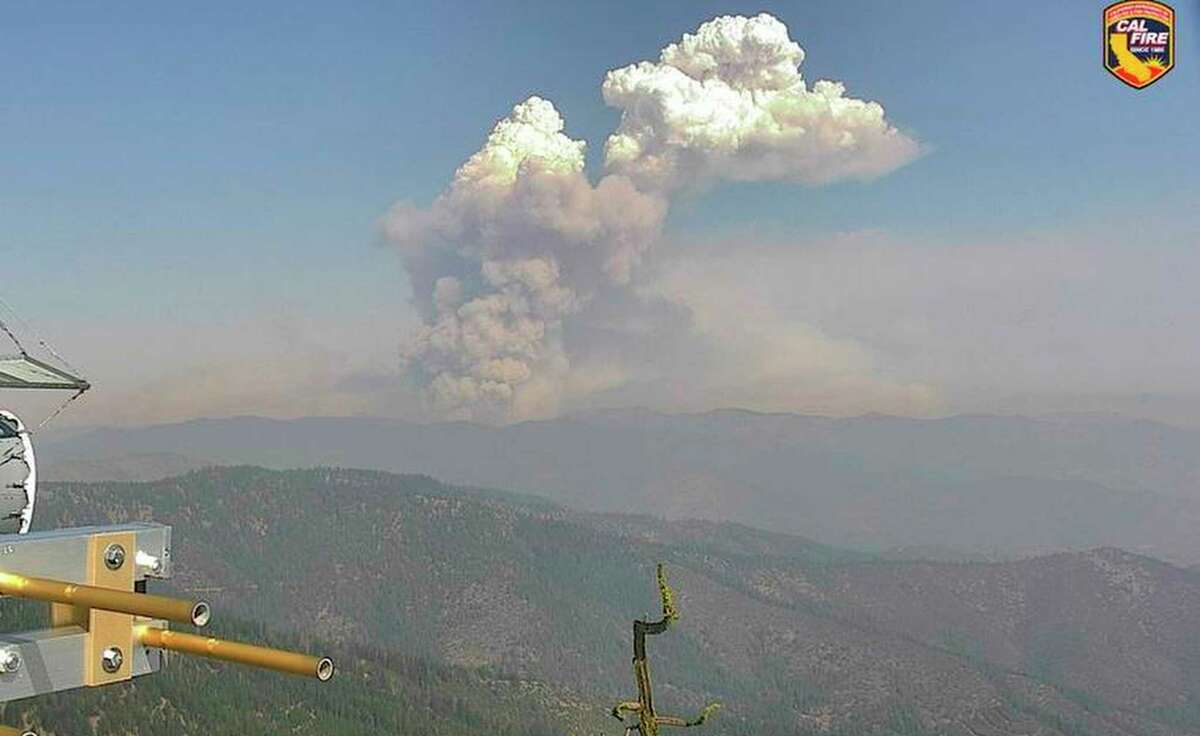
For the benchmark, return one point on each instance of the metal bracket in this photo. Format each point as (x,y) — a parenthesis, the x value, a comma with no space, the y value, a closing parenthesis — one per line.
(63,554)
(84,646)
(52,661)
(104,627)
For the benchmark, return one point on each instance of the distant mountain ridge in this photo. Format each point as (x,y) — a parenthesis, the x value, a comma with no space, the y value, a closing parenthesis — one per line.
(146,466)
(990,484)
(793,636)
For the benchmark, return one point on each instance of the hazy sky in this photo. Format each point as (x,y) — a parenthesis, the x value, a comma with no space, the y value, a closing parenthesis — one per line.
(194,201)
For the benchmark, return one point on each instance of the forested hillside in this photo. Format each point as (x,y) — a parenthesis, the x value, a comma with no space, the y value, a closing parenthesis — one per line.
(377,692)
(793,637)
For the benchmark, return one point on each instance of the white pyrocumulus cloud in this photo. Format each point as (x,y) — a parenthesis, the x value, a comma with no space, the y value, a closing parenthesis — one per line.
(523,242)
(729,101)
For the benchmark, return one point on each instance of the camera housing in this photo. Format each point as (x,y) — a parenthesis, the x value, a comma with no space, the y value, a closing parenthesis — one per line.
(18,475)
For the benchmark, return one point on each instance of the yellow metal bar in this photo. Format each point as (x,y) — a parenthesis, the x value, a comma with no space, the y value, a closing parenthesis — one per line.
(231,651)
(9,731)
(195,613)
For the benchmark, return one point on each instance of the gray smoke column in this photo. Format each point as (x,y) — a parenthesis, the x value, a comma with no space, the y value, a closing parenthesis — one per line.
(522,241)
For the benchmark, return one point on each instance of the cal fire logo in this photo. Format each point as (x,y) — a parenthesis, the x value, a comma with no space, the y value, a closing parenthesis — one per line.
(1139,41)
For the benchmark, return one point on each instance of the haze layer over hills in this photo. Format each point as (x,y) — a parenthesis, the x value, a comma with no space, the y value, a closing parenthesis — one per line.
(997,485)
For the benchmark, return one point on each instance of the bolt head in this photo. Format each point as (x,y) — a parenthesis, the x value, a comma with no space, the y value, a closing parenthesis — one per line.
(10,660)
(111,660)
(114,556)
(148,561)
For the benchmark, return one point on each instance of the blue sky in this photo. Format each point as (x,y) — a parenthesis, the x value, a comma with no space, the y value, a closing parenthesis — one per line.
(170,168)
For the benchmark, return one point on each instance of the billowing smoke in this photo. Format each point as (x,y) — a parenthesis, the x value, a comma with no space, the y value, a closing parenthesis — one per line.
(729,101)
(523,242)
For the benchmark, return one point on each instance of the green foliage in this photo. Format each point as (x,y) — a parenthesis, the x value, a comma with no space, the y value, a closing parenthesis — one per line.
(905,722)
(706,712)
(669,610)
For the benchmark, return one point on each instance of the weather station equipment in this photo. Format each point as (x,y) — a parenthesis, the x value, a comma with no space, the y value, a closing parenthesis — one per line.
(103,626)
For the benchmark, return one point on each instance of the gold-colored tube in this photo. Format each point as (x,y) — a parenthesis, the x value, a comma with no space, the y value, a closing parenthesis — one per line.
(195,613)
(10,731)
(232,651)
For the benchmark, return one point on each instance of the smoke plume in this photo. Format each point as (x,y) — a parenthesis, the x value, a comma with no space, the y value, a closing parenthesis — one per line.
(522,242)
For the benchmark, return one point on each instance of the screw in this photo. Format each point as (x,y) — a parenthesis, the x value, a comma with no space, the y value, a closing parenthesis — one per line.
(111,660)
(10,661)
(114,556)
